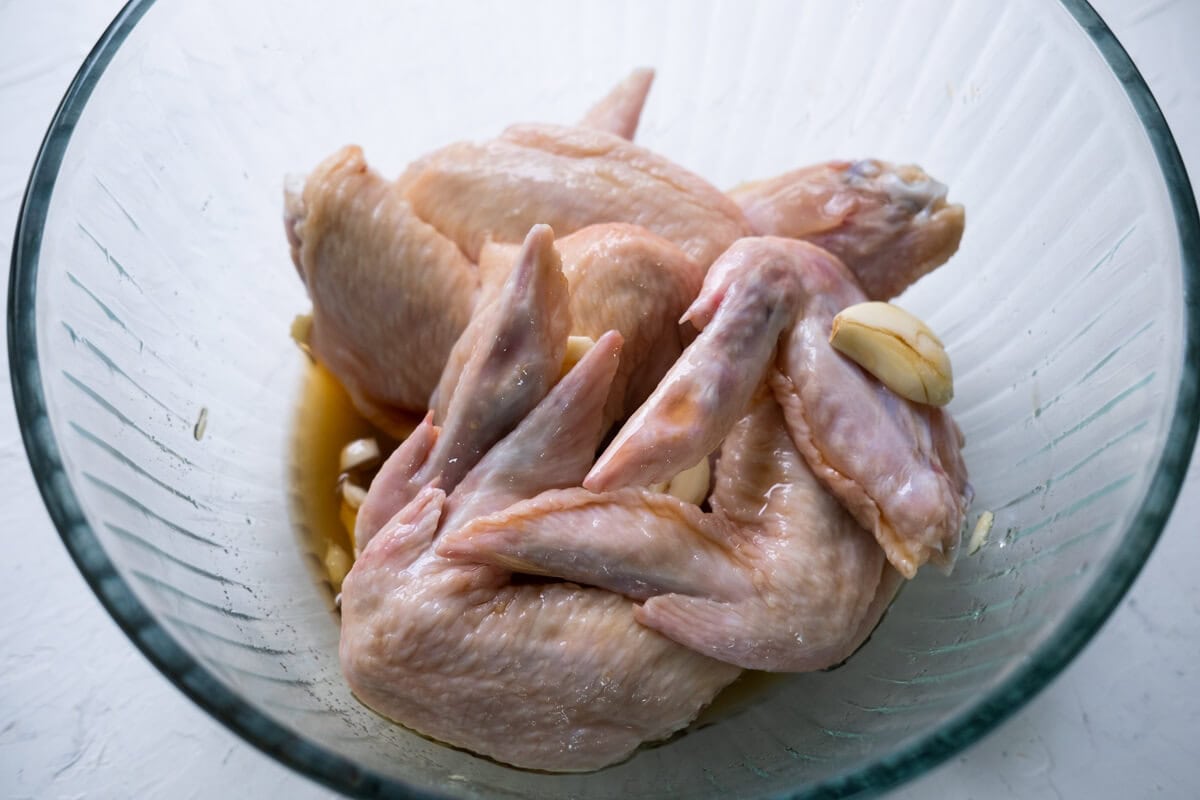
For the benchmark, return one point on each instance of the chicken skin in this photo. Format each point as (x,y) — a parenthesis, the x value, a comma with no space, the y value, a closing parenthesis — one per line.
(568,178)
(390,294)
(620,277)
(502,365)
(778,577)
(765,311)
(619,111)
(552,676)
(761,501)
(889,224)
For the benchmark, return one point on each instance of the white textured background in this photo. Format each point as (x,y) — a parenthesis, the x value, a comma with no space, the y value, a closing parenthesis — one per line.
(82,714)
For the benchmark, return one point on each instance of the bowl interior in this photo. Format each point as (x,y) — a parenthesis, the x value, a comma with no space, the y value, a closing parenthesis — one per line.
(153,247)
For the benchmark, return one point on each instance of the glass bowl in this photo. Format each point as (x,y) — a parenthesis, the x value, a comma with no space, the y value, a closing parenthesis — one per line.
(157,387)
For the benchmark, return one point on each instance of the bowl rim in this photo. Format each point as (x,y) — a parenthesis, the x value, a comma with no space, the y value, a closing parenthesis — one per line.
(323,765)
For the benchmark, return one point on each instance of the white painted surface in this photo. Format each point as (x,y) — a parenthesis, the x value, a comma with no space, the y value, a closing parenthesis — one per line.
(82,714)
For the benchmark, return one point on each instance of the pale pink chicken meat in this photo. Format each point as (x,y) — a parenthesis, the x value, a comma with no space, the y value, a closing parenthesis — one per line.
(620,277)
(501,366)
(778,577)
(551,676)
(444,290)
(623,277)
(390,294)
(568,178)
(619,111)
(889,224)
(766,310)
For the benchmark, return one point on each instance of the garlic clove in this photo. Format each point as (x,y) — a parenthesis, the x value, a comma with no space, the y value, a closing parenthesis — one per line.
(337,565)
(577,346)
(692,484)
(897,348)
(359,454)
(353,495)
(301,332)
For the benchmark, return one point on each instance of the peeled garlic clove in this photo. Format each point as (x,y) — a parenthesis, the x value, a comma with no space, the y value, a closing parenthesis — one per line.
(979,535)
(359,454)
(302,332)
(576,347)
(691,485)
(353,495)
(897,348)
(337,564)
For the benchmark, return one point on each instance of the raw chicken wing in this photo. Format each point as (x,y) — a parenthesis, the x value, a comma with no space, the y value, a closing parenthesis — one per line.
(896,465)
(568,178)
(779,577)
(619,111)
(620,277)
(545,676)
(889,224)
(502,365)
(390,294)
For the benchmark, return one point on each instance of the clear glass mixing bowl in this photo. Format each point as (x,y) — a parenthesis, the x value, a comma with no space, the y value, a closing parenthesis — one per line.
(151,286)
